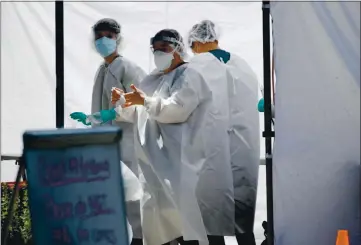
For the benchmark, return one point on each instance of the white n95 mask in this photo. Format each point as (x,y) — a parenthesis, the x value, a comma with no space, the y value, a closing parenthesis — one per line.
(163,60)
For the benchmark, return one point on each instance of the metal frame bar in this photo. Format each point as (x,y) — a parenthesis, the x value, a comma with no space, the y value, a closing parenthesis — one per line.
(9,218)
(59,62)
(17,162)
(268,133)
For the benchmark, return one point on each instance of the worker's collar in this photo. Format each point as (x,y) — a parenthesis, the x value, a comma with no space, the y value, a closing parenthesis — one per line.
(180,64)
(107,64)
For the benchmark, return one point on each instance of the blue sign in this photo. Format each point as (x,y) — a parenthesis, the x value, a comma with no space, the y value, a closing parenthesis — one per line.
(75,187)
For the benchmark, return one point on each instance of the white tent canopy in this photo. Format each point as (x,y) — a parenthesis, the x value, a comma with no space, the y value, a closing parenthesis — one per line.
(317,53)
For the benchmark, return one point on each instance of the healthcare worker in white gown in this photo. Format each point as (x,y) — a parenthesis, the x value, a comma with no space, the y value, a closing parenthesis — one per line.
(133,192)
(117,71)
(190,117)
(244,135)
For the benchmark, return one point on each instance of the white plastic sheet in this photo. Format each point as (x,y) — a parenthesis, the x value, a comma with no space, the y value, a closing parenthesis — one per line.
(317,147)
(27,75)
(27,71)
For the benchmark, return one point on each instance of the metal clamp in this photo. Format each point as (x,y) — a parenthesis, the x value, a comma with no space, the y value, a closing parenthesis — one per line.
(268,134)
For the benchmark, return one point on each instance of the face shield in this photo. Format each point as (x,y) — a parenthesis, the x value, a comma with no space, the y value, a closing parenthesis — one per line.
(163,45)
(168,44)
(106,36)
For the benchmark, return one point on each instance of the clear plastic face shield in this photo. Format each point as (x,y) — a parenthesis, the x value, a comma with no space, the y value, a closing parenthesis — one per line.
(106,37)
(166,45)
(108,34)
(163,49)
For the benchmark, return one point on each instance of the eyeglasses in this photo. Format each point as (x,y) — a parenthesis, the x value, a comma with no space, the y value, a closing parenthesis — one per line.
(161,49)
(161,46)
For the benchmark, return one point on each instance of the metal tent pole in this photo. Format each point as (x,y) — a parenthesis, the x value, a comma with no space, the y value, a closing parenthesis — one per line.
(59,62)
(268,133)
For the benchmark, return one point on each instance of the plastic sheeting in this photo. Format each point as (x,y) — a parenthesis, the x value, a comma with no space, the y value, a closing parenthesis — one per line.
(317,147)
(27,75)
(27,71)
(28,58)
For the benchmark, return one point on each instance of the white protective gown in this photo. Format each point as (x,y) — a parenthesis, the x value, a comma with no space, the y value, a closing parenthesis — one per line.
(215,188)
(121,73)
(189,120)
(169,207)
(244,140)
(133,191)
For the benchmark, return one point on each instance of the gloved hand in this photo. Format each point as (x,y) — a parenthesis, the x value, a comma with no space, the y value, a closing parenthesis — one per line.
(260,105)
(80,117)
(107,115)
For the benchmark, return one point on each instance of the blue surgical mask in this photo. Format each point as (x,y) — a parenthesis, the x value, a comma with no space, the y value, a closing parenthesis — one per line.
(105,46)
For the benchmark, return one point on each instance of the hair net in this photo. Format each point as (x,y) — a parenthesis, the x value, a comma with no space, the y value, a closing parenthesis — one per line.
(203,32)
(174,38)
(110,25)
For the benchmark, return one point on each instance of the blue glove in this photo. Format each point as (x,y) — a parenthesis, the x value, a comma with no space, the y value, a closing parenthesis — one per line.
(80,117)
(260,105)
(107,115)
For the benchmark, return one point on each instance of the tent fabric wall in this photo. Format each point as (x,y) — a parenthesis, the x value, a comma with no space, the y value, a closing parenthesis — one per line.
(27,75)
(317,144)
(28,58)
(27,71)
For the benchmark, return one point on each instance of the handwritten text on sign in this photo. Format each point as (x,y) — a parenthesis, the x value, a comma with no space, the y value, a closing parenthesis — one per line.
(94,206)
(72,170)
(80,192)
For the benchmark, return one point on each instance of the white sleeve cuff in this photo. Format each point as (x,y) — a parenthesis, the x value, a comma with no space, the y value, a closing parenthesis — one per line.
(121,101)
(118,109)
(152,105)
(125,114)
